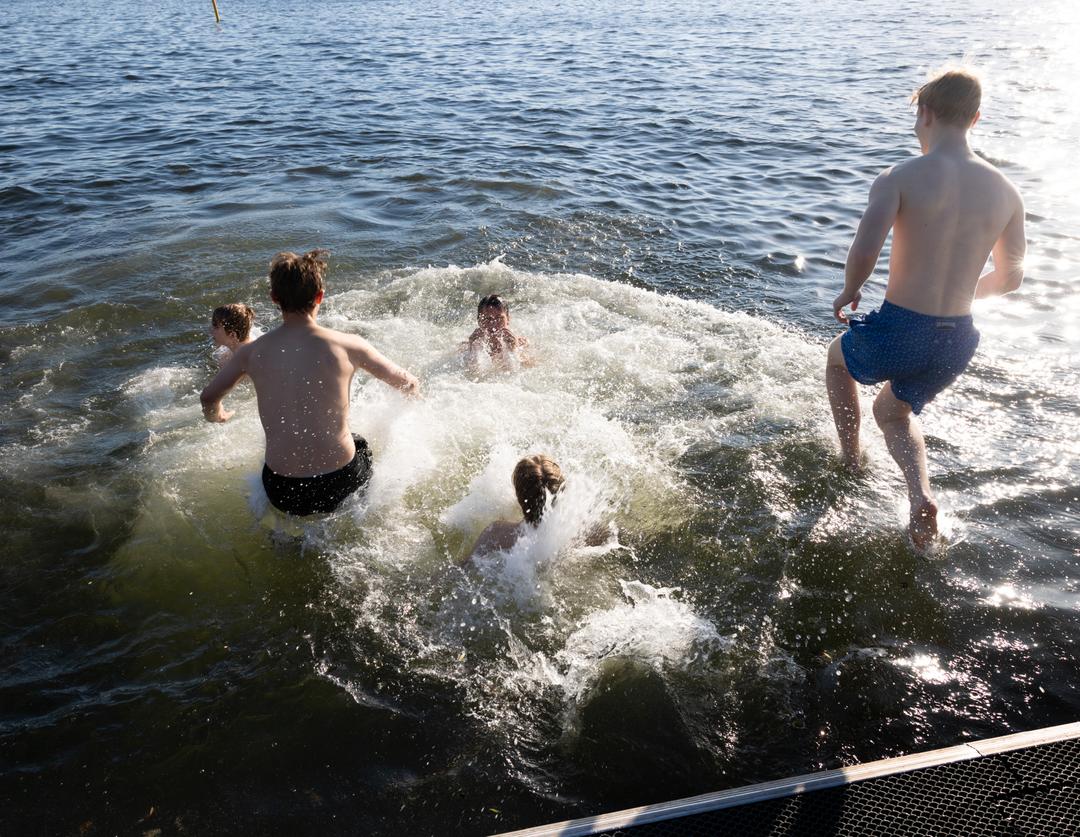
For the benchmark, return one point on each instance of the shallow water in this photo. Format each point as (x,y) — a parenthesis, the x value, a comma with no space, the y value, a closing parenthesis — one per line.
(666,195)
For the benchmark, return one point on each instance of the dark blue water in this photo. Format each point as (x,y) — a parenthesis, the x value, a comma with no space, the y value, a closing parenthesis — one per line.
(666,193)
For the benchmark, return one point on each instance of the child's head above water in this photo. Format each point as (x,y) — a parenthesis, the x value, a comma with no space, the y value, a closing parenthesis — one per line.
(535,477)
(230,324)
(493,312)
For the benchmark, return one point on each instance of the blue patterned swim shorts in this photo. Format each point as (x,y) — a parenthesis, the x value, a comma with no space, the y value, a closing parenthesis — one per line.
(919,354)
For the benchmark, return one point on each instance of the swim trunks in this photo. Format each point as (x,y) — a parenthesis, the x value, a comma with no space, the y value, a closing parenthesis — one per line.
(918,354)
(323,492)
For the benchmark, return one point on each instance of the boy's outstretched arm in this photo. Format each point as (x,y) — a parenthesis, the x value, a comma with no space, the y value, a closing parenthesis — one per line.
(220,385)
(371,360)
(874,228)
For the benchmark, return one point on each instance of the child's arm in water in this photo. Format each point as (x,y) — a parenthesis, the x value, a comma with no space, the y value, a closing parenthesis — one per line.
(221,384)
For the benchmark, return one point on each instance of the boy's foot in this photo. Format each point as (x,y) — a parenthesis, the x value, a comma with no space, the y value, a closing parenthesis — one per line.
(854,464)
(923,525)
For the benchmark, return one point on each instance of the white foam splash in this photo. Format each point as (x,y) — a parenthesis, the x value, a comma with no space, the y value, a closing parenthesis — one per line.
(158,389)
(626,383)
(652,627)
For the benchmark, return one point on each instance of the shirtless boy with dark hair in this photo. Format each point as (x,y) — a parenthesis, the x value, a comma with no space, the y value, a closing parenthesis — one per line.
(302,374)
(948,210)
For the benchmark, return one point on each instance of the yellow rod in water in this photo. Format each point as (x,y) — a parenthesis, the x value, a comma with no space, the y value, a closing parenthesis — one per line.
(216,15)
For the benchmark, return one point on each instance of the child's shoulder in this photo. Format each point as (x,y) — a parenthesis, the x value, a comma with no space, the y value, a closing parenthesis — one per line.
(221,355)
(502,534)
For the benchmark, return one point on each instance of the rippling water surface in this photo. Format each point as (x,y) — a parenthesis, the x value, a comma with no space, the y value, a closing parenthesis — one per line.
(666,194)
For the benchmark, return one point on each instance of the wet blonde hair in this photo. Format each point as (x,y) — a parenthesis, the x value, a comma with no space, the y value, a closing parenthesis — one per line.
(236,318)
(534,478)
(953,96)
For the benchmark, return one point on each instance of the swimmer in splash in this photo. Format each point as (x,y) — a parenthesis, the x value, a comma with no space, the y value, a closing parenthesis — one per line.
(493,337)
(536,479)
(232,326)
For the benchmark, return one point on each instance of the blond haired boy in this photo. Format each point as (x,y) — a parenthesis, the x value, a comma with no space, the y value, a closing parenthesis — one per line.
(948,210)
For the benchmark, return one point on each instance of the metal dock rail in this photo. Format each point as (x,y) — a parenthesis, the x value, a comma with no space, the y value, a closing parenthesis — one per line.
(1022,784)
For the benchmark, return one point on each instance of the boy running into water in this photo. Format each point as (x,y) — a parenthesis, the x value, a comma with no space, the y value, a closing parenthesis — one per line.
(948,210)
(302,374)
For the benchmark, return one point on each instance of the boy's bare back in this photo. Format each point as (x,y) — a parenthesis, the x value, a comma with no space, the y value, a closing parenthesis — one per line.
(302,374)
(952,207)
(302,378)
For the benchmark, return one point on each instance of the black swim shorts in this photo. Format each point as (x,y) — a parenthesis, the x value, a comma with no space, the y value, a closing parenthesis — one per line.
(323,492)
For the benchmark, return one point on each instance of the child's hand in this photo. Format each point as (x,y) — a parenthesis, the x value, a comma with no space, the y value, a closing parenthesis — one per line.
(411,387)
(846,297)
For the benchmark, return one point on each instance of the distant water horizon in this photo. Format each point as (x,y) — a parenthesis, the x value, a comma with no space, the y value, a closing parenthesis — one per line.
(666,195)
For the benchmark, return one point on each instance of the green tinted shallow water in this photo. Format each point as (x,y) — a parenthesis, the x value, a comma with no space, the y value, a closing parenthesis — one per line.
(671,193)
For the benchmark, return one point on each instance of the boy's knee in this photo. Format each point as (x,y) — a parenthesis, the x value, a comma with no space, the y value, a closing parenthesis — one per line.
(888,408)
(882,414)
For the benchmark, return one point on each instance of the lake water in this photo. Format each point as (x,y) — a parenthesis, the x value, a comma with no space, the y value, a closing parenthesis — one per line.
(665,191)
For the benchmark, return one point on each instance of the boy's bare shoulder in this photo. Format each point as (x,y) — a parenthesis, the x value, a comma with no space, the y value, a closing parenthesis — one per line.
(912,168)
(888,179)
(926,173)
(343,338)
(1004,190)
(244,352)
(1008,185)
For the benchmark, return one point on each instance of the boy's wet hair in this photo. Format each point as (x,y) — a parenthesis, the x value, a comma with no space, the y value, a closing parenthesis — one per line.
(953,96)
(493,301)
(295,281)
(535,477)
(236,318)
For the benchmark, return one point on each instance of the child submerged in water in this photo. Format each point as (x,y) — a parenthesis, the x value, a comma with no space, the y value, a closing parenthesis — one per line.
(494,338)
(230,327)
(536,478)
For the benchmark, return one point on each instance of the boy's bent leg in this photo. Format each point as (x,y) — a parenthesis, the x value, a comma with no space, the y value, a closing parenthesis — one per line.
(904,438)
(844,400)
